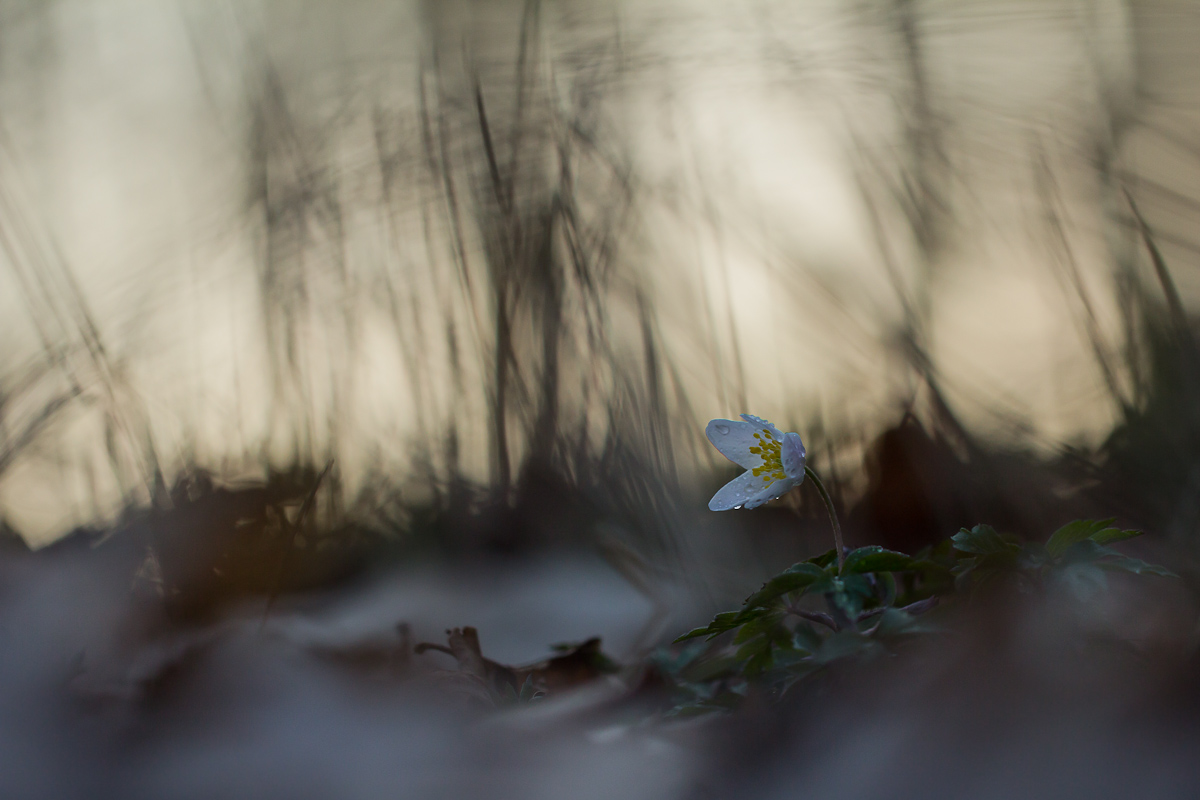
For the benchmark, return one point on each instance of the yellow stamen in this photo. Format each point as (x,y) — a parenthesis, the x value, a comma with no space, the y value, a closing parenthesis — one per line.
(771,468)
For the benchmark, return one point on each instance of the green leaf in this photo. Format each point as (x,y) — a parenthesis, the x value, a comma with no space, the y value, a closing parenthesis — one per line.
(1074,532)
(692,634)
(804,637)
(858,585)
(1088,551)
(1136,566)
(983,540)
(1113,535)
(527,690)
(760,625)
(827,584)
(823,560)
(1085,552)
(851,594)
(758,664)
(979,571)
(932,576)
(794,578)
(726,620)
(790,656)
(755,647)
(942,553)
(887,585)
(748,615)
(876,559)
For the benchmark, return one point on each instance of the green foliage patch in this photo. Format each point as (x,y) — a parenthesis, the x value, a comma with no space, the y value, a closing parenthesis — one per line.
(813,614)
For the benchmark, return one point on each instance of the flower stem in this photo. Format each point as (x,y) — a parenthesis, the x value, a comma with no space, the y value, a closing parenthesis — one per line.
(837,528)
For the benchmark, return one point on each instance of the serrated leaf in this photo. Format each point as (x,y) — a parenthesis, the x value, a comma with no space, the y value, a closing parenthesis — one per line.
(794,578)
(1074,532)
(876,559)
(759,625)
(1136,566)
(1088,551)
(527,689)
(983,540)
(1113,535)
(726,620)
(749,614)
(1085,551)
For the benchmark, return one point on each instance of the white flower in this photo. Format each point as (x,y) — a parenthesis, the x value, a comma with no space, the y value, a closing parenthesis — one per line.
(774,461)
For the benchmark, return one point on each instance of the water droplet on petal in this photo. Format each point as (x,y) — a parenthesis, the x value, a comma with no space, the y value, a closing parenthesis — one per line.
(721,429)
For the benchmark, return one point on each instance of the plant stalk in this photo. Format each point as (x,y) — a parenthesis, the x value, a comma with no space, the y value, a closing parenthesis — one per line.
(837,528)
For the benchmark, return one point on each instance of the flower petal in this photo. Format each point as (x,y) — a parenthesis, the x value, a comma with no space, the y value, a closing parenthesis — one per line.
(763,425)
(734,440)
(791,453)
(748,491)
(736,493)
(776,489)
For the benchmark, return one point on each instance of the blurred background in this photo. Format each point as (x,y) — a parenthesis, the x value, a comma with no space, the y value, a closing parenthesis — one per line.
(327,328)
(487,268)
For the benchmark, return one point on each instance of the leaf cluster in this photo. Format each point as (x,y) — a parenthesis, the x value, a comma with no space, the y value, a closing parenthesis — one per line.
(814,614)
(1077,556)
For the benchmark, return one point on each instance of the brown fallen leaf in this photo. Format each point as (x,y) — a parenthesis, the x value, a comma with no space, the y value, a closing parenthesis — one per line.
(574,665)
